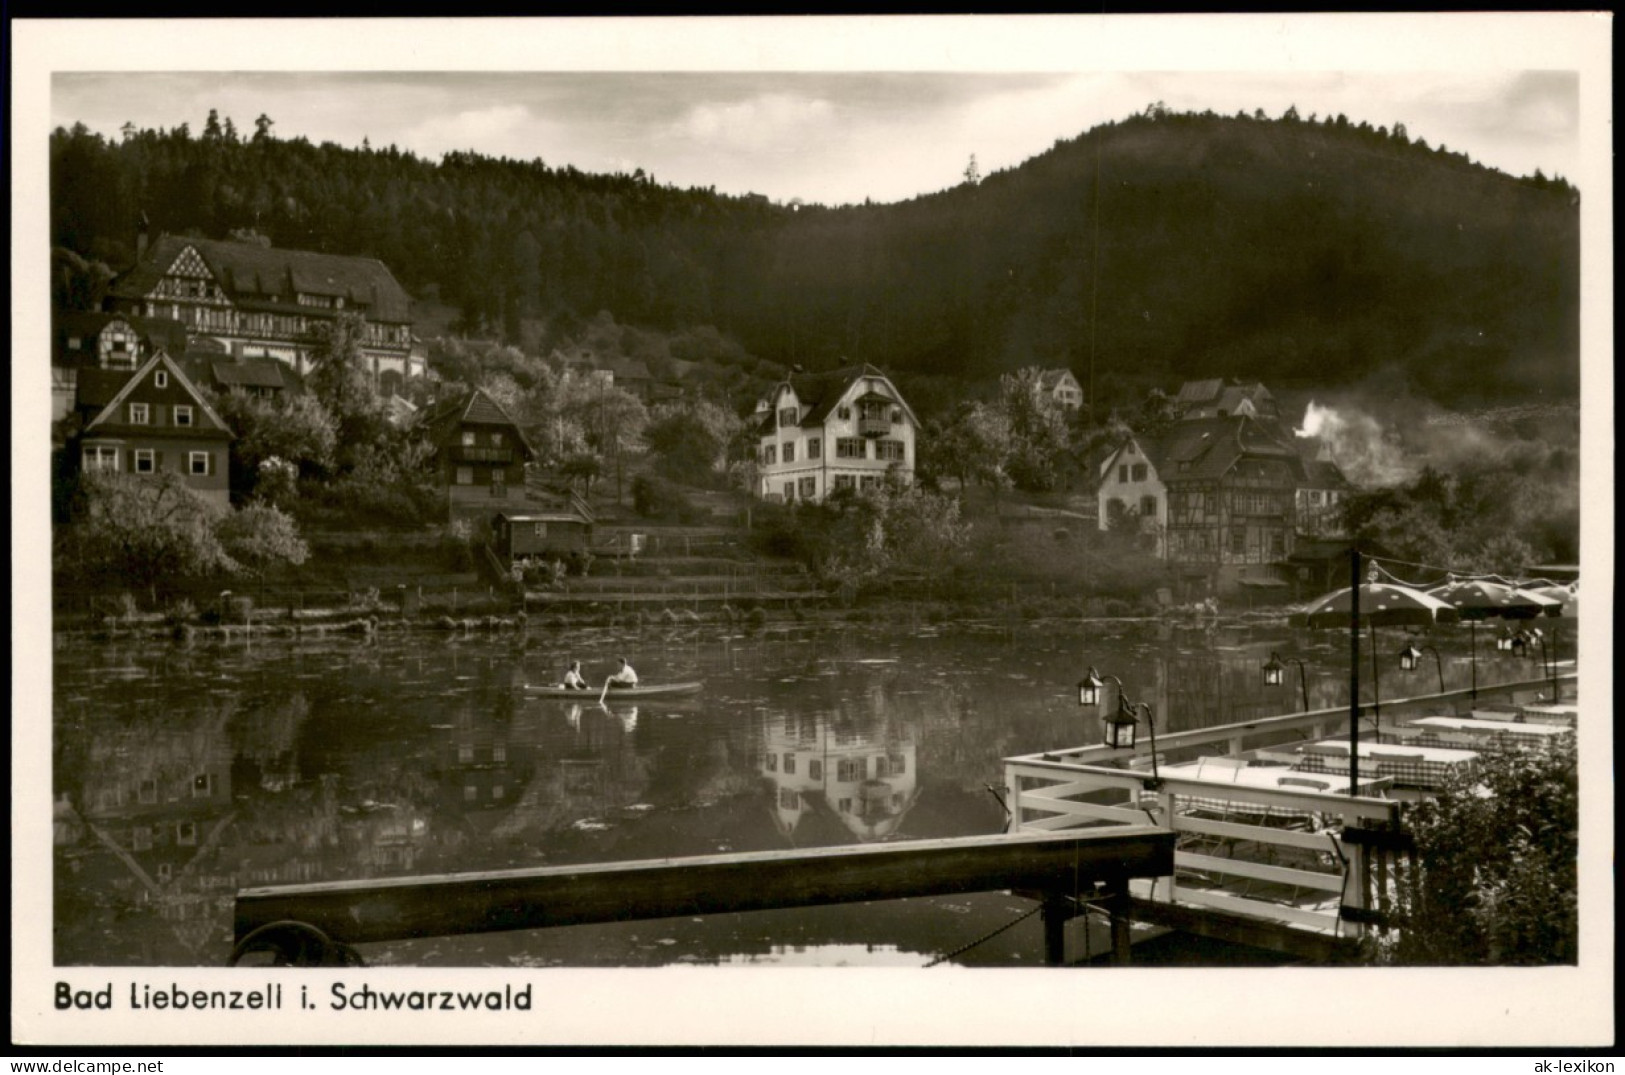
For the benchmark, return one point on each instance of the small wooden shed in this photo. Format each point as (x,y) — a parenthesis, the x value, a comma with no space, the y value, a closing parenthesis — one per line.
(541,533)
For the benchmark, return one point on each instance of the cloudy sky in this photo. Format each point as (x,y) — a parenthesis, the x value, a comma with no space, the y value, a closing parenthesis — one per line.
(838,136)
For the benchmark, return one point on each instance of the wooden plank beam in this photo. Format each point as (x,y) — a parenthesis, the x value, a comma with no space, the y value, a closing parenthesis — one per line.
(355,912)
(1255,932)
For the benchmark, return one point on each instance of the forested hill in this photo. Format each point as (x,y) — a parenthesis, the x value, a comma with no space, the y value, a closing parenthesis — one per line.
(1308,253)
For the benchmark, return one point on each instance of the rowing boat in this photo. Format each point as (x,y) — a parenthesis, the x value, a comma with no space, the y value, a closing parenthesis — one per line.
(642,690)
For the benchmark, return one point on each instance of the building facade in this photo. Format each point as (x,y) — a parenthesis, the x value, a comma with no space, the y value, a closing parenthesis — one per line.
(1063,387)
(261,301)
(480,458)
(153,421)
(820,433)
(1132,492)
(1232,485)
(87,340)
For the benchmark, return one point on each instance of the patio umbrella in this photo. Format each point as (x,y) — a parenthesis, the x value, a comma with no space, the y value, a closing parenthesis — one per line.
(1382,604)
(1379,604)
(1555,600)
(1479,599)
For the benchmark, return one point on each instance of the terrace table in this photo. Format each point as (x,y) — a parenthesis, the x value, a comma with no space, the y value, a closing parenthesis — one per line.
(1468,730)
(1270,777)
(1418,766)
(1558,713)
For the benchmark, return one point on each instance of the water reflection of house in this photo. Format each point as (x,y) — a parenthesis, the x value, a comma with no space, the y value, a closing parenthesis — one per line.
(482,765)
(153,808)
(868,783)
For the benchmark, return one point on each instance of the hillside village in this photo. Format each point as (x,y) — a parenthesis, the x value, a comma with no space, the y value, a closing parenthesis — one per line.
(384,376)
(163,385)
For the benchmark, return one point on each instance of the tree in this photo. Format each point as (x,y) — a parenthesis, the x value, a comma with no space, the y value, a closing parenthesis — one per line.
(1040,442)
(583,467)
(144,530)
(974,444)
(1499,852)
(691,439)
(262,128)
(295,428)
(612,418)
(260,537)
(341,383)
(973,174)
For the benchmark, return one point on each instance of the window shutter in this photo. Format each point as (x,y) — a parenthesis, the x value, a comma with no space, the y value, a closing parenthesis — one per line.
(157,461)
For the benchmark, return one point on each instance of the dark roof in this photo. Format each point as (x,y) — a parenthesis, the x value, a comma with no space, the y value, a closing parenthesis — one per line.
(1192,392)
(1205,449)
(1324,474)
(267,277)
(445,418)
(821,391)
(96,403)
(267,373)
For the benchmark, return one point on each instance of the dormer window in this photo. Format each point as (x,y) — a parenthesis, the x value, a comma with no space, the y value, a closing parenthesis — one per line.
(844,414)
(183,415)
(788,416)
(140,414)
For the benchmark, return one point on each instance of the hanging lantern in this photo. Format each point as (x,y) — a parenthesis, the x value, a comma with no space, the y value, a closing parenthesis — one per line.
(1120,728)
(1089,689)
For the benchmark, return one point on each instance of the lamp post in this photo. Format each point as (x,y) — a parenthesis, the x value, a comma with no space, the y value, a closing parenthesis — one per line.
(1410,657)
(1120,728)
(1275,674)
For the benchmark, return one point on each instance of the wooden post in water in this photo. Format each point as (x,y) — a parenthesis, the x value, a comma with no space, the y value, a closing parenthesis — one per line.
(1055,915)
(1118,903)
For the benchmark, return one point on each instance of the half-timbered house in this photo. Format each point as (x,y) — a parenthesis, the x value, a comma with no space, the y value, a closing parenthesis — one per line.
(88,340)
(1232,485)
(263,301)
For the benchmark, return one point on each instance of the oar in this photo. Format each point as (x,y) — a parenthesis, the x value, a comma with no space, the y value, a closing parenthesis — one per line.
(603,693)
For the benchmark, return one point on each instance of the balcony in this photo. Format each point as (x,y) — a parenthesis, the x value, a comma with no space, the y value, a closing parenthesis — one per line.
(464,454)
(870,426)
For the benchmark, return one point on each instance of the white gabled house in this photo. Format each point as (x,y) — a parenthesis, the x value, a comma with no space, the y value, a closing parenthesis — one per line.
(1132,488)
(848,428)
(1063,388)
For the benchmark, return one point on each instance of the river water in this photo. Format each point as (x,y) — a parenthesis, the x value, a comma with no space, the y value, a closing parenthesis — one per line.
(182,772)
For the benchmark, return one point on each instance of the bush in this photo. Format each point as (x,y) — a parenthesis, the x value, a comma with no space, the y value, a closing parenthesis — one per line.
(654,498)
(1498,877)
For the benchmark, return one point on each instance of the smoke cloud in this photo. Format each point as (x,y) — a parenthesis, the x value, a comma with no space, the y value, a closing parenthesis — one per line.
(1368,455)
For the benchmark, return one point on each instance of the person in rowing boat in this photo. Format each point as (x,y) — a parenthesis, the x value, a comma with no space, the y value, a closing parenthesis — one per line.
(621,679)
(572,678)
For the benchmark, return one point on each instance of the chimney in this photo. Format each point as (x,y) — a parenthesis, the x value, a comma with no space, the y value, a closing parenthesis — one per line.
(142,234)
